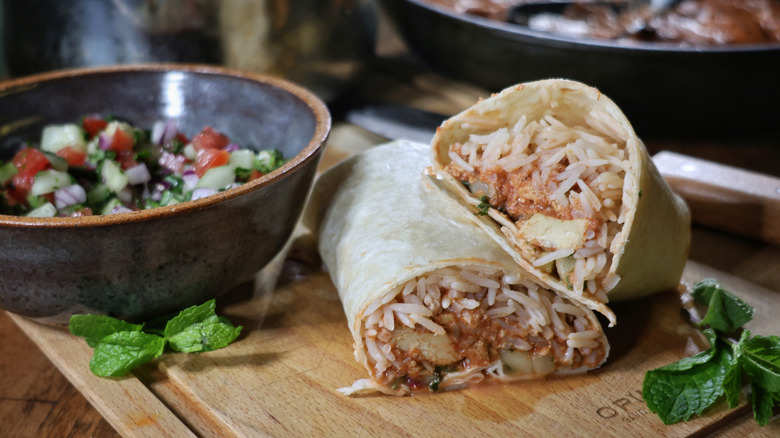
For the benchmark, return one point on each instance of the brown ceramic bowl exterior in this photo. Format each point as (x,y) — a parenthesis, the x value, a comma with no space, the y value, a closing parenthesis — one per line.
(147,263)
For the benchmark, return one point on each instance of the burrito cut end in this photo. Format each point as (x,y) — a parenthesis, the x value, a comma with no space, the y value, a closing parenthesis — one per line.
(462,324)
(560,171)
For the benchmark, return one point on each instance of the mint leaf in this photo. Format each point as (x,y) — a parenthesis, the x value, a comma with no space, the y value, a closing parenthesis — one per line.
(761,361)
(763,403)
(732,384)
(120,352)
(121,346)
(208,335)
(687,363)
(188,317)
(678,392)
(725,312)
(95,327)
(200,329)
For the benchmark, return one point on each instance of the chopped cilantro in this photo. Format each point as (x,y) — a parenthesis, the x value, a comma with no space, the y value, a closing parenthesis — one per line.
(176,146)
(243,174)
(143,155)
(268,160)
(484,206)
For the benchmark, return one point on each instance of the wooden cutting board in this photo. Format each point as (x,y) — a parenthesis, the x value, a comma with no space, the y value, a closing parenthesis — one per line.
(280,377)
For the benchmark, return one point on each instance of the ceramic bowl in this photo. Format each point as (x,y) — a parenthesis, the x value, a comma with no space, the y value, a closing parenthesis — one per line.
(143,264)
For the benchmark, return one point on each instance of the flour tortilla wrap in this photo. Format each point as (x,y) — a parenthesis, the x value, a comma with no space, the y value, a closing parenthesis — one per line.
(421,282)
(558,177)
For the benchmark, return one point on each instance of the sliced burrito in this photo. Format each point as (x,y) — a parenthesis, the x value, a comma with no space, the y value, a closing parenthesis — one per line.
(555,173)
(433,302)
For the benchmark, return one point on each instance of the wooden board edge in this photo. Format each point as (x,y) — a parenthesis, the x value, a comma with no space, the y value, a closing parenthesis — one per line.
(127,404)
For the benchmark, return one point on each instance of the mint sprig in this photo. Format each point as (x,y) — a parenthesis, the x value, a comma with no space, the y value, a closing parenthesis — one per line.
(726,312)
(121,346)
(687,387)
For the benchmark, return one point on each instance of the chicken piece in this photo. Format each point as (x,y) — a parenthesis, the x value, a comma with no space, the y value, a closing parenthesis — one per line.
(436,349)
(551,233)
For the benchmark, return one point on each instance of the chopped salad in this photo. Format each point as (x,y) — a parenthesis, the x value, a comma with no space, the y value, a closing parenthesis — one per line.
(107,166)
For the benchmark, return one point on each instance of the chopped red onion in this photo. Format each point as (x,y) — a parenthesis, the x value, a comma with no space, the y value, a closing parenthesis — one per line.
(202,193)
(74,194)
(104,141)
(171,162)
(120,209)
(159,188)
(232,147)
(138,174)
(190,179)
(157,131)
(169,132)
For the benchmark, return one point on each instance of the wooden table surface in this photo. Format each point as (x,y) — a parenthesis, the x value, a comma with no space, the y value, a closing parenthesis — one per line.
(37,400)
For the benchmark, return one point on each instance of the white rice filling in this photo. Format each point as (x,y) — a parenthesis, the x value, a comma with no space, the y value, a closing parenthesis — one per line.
(529,319)
(594,184)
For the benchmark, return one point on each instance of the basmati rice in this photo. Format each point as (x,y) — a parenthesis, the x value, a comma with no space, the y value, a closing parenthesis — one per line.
(508,311)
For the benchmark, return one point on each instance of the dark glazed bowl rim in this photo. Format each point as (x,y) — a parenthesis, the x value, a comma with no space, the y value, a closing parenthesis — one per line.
(321,133)
(526,34)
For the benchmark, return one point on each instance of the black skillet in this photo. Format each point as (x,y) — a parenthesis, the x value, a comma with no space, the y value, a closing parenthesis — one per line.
(667,90)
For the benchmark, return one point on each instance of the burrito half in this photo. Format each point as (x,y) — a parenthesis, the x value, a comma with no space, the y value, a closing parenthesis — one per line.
(432,302)
(555,173)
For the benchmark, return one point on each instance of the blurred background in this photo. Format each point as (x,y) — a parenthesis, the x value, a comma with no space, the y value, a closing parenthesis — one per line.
(319,43)
(680,69)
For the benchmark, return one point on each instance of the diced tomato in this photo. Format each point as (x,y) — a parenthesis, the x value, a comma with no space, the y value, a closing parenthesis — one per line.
(10,200)
(20,187)
(126,159)
(209,138)
(122,141)
(29,161)
(72,156)
(93,125)
(182,138)
(208,158)
(254,175)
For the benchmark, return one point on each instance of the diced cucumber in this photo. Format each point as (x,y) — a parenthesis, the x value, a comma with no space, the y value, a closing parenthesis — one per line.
(47,181)
(56,137)
(217,178)
(7,171)
(242,159)
(113,202)
(190,152)
(113,176)
(36,201)
(93,146)
(46,210)
(98,194)
(56,161)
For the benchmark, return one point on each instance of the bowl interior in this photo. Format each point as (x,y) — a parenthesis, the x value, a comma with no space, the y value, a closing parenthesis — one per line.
(254,114)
